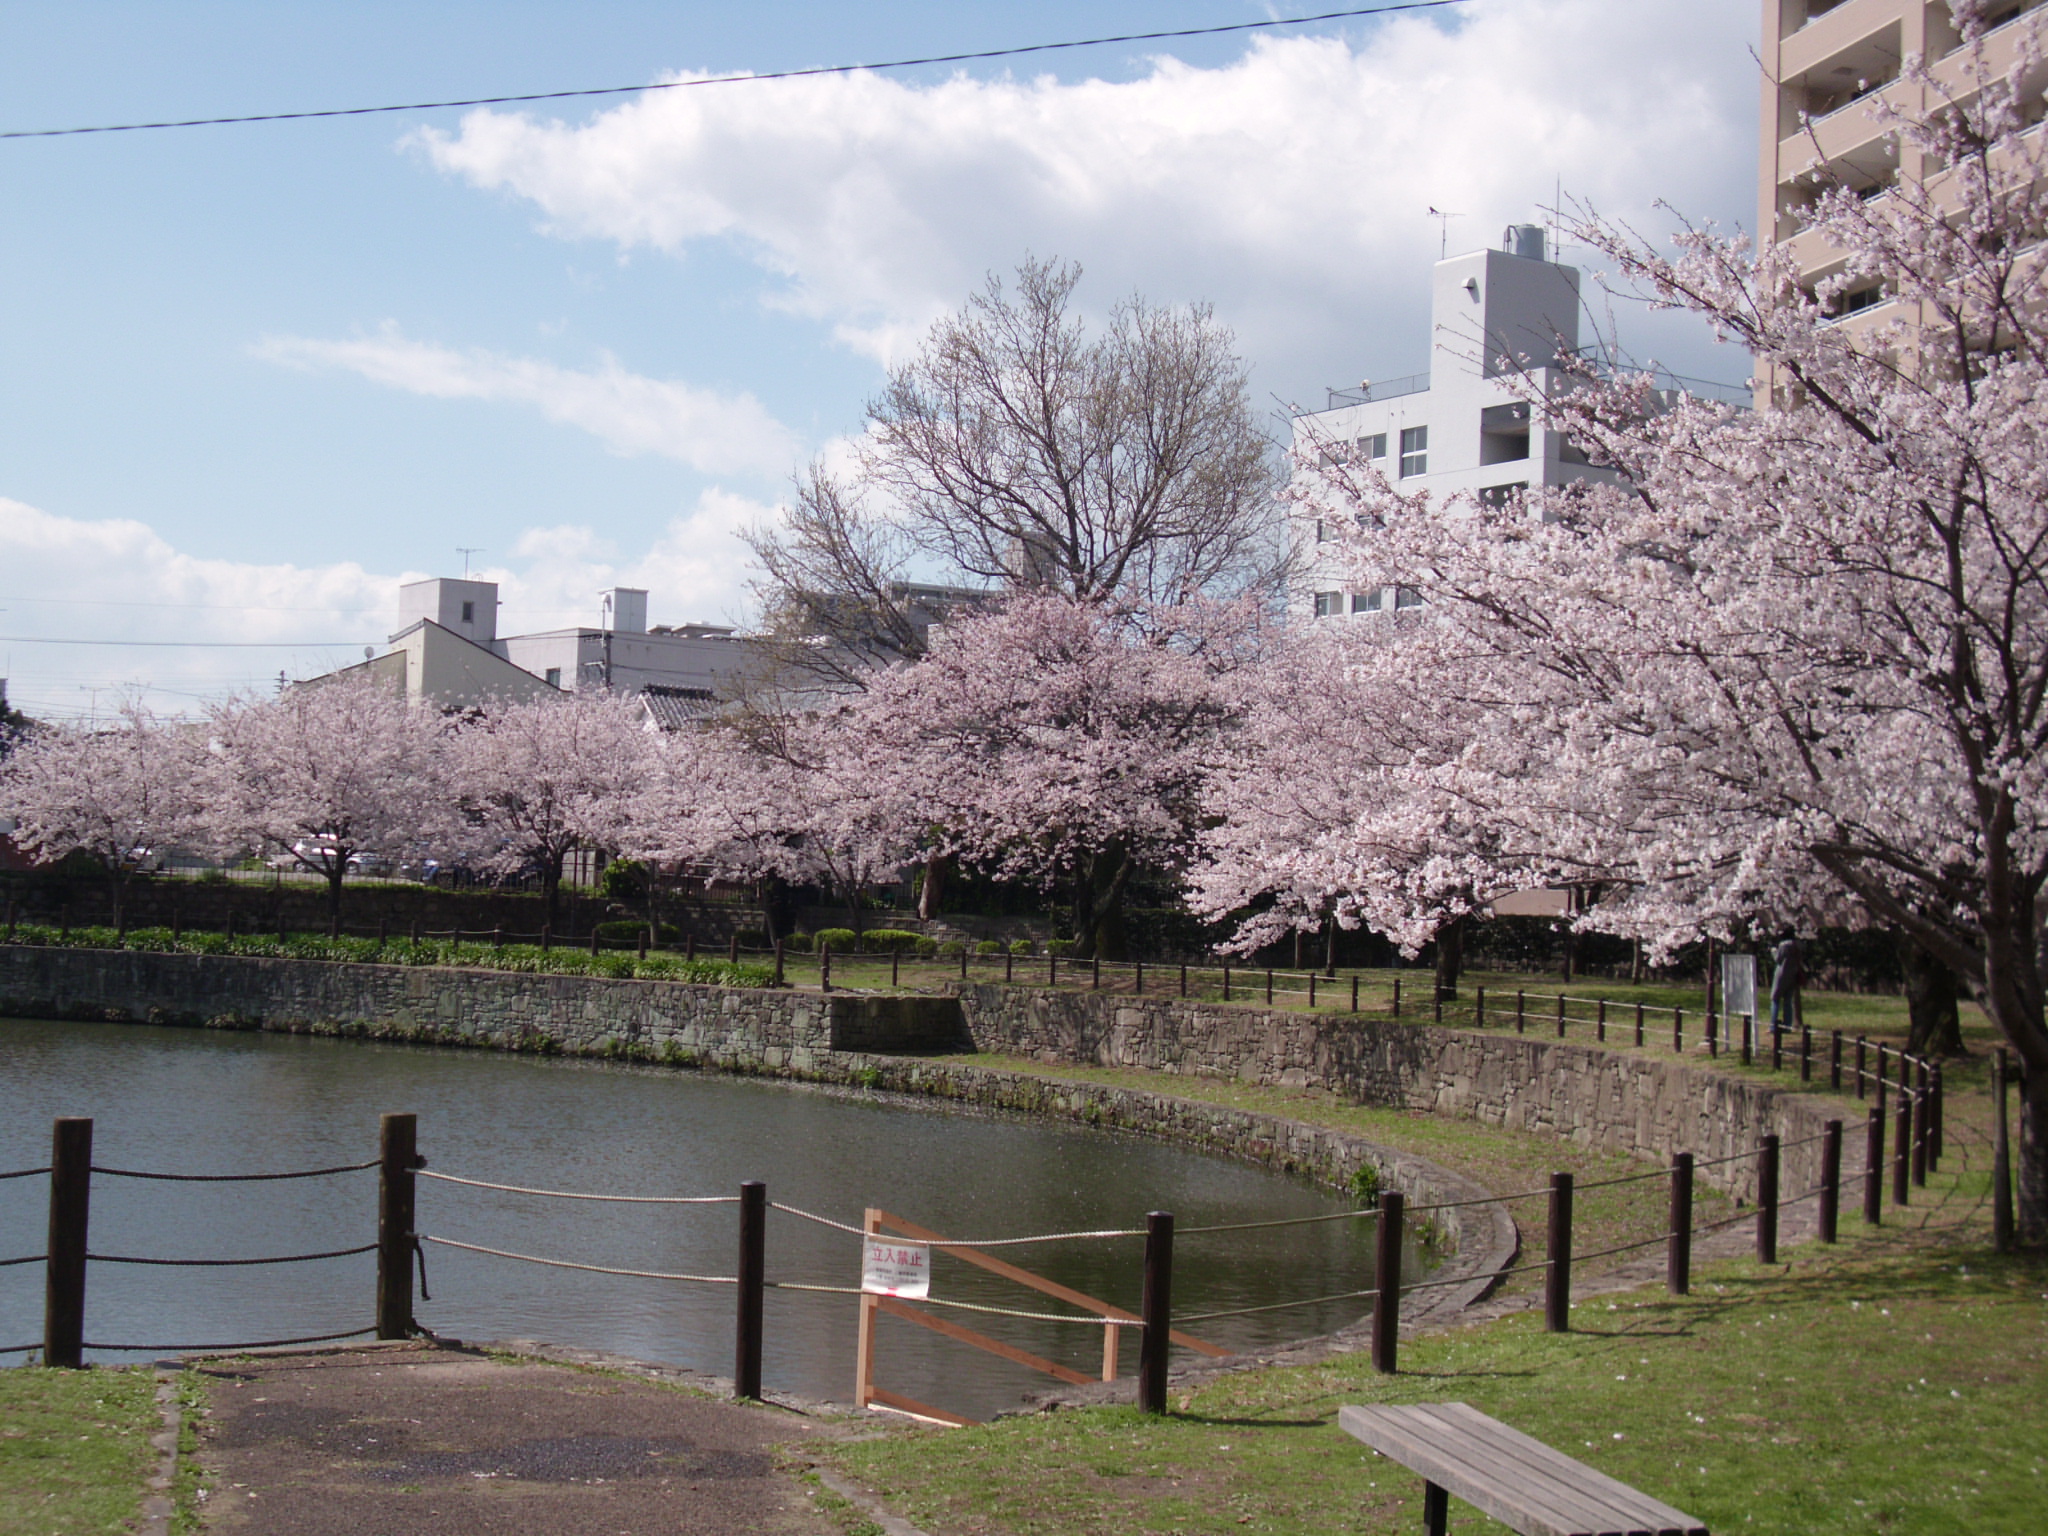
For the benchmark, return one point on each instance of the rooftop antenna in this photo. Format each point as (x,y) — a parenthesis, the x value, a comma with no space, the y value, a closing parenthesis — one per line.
(475,549)
(1444,222)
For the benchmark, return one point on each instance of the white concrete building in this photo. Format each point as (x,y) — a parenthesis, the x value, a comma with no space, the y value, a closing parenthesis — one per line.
(1499,321)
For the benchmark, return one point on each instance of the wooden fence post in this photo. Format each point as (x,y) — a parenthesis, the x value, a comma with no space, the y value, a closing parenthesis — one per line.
(1557,1279)
(1386,1305)
(1934,1107)
(1095,975)
(2001,1159)
(593,936)
(1678,1239)
(1777,1047)
(895,962)
(1830,1179)
(1560,1015)
(824,967)
(64,1267)
(1269,986)
(1521,1011)
(1873,1167)
(1312,992)
(1157,1308)
(1479,1007)
(398,1156)
(1678,1031)
(690,946)
(1639,1023)
(1860,1089)
(1600,1021)
(1354,994)
(1009,967)
(732,951)
(1835,1060)
(1226,983)
(746,1367)
(1805,1054)
(1748,1038)
(1767,1201)
(1902,1145)
(1713,1035)
(1878,1076)
(1923,1118)
(1397,997)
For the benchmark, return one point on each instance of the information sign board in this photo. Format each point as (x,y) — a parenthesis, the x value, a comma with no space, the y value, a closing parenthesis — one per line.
(896,1269)
(1738,985)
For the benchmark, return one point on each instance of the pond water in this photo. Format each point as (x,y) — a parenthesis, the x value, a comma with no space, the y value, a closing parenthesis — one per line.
(190,1101)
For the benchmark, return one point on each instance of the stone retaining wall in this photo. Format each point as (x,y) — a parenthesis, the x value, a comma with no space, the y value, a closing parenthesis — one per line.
(1594,1096)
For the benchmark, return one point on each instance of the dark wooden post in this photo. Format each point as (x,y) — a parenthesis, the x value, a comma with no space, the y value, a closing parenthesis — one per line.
(1639,1023)
(1767,1201)
(547,938)
(1934,1115)
(1678,1238)
(824,967)
(1009,967)
(64,1268)
(1052,969)
(1777,1047)
(1873,1167)
(1479,1007)
(1397,997)
(2001,1158)
(1557,1279)
(1879,1075)
(1521,1011)
(593,938)
(1678,1031)
(1835,1060)
(1902,1147)
(1269,986)
(1830,1179)
(1805,1054)
(895,961)
(1560,1015)
(778,963)
(1226,983)
(643,944)
(1748,1037)
(1600,1021)
(690,946)
(1354,994)
(1386,1304)
(1860,1088)
(963,963)
(746,1366)
(497,938)
(177,922)
(231,925)
(1157,1308)
(455,938)
(1713,1035)
(1312,997)
(732,949)
(1922,1118)
(398,1156)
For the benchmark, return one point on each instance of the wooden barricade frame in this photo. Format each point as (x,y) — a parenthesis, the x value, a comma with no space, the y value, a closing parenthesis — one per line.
(875,1222)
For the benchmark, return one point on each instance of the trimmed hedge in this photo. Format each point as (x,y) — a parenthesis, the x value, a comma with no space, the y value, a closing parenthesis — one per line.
(884,941)
(527,959)
(839,940)
(1023,947)
(989,947)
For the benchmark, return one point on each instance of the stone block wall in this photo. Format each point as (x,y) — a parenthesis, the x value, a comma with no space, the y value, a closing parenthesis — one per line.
(1603,1097)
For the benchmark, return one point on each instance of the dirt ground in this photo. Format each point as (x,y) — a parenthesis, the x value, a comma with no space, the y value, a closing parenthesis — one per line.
(420,1440)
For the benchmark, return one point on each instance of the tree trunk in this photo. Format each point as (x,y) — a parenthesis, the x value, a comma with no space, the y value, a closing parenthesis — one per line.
(334,878)
(1450,957)
(2033,1157)
(1099,882)
(550,883)
(931,894)
(1931,1001)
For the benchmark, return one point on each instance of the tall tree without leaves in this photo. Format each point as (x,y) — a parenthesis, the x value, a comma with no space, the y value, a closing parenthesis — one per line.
(1015,449)
(1803,667)
(538,778)
(119,792)
(326,772)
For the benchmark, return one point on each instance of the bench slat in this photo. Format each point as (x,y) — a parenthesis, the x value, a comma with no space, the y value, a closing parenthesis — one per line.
(1536,1509)
(1516,1479)
(1614,1498)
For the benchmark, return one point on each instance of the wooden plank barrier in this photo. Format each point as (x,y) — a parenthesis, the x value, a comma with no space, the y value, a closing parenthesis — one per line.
(876,1222)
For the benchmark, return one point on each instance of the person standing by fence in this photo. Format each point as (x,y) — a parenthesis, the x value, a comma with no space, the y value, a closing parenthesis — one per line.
(1788,970)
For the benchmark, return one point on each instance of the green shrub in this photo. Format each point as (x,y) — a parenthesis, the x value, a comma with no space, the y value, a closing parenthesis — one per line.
(989,947)
(838,940)
(623,880)
(1365,1186)
(799,943)
(952,947)
(884,941)
(1023,947)
(1059,946)
(926,948)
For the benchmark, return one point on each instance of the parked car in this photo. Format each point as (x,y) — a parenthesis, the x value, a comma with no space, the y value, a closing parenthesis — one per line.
(368,863)
(305,854)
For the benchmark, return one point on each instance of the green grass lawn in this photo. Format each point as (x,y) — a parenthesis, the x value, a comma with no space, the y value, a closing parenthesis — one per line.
(74,1449)
(1892,1384)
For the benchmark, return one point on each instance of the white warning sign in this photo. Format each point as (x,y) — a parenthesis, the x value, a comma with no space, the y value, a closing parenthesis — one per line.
(896,1269)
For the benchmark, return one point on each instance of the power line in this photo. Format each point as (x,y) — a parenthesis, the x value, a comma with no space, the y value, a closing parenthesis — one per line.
(784,74)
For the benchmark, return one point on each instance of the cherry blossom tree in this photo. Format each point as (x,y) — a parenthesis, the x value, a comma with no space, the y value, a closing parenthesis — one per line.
(538,778)
(1063,742)
(326,772)
(1800,669)
(118,792)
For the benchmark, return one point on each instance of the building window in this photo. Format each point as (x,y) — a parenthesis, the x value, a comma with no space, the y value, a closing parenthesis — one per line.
(1414,451)
(1366,602)
(1373,447)
(1329,604)
(1320,535)
(554,677)
(469,613)
(1407,597)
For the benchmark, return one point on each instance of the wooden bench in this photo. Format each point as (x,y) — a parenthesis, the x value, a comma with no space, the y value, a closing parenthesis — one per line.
(1522,1483)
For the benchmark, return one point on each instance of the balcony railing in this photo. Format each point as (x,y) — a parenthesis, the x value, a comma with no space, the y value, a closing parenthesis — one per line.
(1384,389)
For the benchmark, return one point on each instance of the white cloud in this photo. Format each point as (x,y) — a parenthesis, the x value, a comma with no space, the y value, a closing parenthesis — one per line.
(630,413)
(1289,187)
(119,580)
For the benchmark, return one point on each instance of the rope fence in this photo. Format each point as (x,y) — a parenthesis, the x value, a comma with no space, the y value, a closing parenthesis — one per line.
(564,1194)
(226,1349)
(27,1258)
(231,1178)
(290,1258)
(22,1173)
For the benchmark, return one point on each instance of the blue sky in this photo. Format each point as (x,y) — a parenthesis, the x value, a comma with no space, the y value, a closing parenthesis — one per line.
(254,376)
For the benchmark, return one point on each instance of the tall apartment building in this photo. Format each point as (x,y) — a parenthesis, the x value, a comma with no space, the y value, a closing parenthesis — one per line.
(1824,63)
(1464,425)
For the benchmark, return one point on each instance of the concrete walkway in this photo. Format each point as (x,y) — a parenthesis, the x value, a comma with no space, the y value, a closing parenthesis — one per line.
(419,1440)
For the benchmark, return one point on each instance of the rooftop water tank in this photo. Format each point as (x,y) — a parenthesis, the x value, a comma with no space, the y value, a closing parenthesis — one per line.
(1525,240)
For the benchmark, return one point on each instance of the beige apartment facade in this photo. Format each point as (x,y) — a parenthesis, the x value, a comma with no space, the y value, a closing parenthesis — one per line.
(1826,62)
